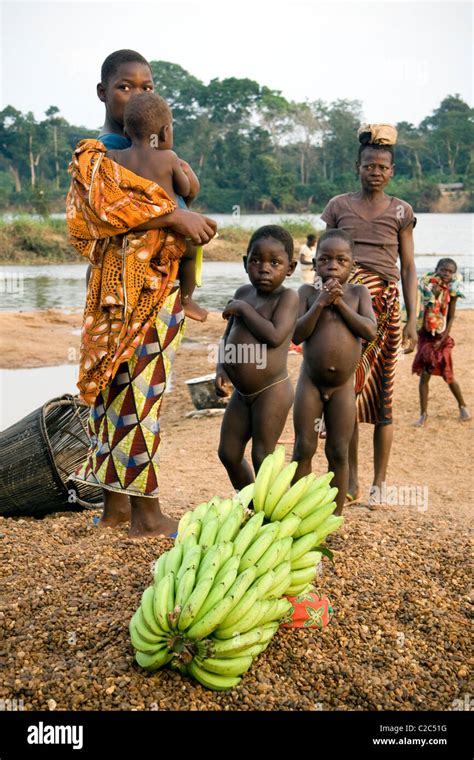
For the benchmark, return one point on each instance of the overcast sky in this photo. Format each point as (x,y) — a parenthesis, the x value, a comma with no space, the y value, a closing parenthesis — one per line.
(399,58)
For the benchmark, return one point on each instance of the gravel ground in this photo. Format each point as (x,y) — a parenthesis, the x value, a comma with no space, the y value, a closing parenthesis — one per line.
(400,586)
(398,639)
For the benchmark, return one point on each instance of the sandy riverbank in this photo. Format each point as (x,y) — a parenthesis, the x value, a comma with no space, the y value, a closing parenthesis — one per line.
(400,586)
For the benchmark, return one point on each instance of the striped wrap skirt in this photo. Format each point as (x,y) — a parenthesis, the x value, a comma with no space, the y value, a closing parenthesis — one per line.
(124,423)
(375,373)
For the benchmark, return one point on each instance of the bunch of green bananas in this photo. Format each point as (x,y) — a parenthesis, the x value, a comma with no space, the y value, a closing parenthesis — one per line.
(304,511)
(216,600)
(217,595)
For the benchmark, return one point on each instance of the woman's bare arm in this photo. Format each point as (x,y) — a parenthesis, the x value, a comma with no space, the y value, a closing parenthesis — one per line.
(409,284)
(201,229)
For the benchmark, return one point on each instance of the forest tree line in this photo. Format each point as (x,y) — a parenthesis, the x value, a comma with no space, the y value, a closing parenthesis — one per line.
(250,147)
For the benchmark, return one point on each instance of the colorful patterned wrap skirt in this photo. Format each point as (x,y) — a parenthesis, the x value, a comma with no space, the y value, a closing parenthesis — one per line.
(375,373)
(124,424)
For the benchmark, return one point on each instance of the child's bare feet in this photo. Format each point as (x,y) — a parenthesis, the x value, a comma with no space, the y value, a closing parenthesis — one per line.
(116,509)
(464,413)
(194,311)
(421,422)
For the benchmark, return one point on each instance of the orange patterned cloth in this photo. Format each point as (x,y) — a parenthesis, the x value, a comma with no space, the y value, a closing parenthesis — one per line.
(132,272)
(311,609)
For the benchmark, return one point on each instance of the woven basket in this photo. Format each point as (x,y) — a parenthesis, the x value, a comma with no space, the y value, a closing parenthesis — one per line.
(38,455)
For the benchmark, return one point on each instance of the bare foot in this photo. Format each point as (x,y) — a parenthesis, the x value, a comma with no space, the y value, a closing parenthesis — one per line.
(148,519)
(421,422)
(352,495)
(464,413)
(194,311)
(166,527)
(116,509)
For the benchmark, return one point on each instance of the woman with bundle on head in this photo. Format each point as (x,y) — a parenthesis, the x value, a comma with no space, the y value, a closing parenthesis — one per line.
(382,229)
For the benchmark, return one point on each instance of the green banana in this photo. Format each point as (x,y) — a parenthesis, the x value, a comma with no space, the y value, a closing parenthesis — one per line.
(147,607)
(138,623)
(173,560)
(211,620)
(269,559)
(262,482)
(286,545)
(230,528)
(289,525)
(239,611)
(228,571)
(303,545)
(324,480)
(313,499)
(160,565)
(310,559)
(264,583)
(241,584)
(306,575)
(193,529)
(216,593)
(248,533)
(201,510)
(245,495)
(278,591)
(184,587)
(249,651)
(190,559)
(154,661)
(315,519)
(280,573)
(212,680)
(278,462)
(194,604)
(189,542)
(209,532)
(226,553)
(331,524)
(250,620)
(269,630)
(224,508)
(230,666)
(185,520)
(279,487)
(297,589)
(277,611)
(292,497)
(210,560)
(140,644)
(231,647)
(161,602)
(259,546)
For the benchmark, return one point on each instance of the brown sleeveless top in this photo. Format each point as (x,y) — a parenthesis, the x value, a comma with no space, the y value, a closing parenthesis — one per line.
(376,241)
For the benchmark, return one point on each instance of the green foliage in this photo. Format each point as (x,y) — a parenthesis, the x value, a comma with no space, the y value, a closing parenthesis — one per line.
(27,240)
(299,227)
(249,146)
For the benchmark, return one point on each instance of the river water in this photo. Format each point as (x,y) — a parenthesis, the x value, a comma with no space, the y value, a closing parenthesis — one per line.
(25,288)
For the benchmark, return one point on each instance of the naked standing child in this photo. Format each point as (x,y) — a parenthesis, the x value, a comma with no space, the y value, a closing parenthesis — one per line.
(332,320)
(262,317)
